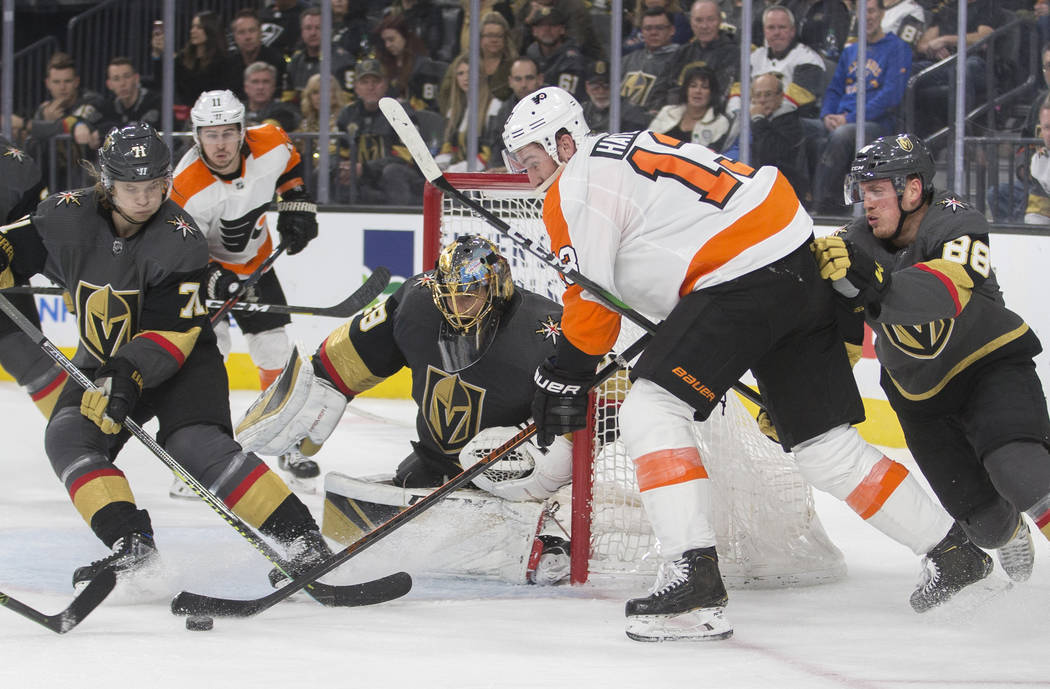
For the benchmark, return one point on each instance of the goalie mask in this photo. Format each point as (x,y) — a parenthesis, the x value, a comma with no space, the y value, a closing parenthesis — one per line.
(472,287)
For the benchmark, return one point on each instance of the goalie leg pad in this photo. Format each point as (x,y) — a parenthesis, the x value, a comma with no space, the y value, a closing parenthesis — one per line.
(524,473)
(881,491)
(297,405)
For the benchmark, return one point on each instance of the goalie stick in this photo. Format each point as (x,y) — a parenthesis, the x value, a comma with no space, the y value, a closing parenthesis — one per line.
(187,603)
(410,136)
(366,593)
(87,600)
(359,299)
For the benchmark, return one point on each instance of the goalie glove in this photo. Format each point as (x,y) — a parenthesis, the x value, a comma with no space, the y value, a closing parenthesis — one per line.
(119,385)
(852,271)
(298,409)
(524,473)
(7,255)
(297,224)
(559,405)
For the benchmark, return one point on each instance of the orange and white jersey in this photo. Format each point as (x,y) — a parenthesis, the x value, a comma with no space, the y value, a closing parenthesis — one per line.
(231,210)
(650,219)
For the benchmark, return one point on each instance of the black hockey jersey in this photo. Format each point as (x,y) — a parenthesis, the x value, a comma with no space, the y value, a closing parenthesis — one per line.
(497,390)
(138,297)
(943,311)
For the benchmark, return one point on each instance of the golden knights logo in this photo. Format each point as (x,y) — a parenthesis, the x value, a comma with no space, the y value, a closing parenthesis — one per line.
(106,318)
(636,87)
(452,409)
(370,147)
(905,143)
(925,341)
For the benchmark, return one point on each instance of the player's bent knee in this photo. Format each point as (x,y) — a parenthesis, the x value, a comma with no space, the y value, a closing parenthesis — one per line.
(69,436)
(202,449)
(653,419)
(1020,471)
(836,461)
(270,348)
(991,525)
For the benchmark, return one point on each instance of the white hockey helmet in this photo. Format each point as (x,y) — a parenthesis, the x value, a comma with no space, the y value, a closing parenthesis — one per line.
(215,108)
(538,118)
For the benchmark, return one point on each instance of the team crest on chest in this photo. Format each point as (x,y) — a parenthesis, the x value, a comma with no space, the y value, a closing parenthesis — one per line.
(452,409)
(924,341)
(182,226)
(550,329)
(69,198)
(106,318)
(16,153)
(953,204)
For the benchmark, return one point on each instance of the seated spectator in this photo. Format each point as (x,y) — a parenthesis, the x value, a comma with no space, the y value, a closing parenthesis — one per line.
(906,18)
(381,165)
(306,61)
(497,53)
(338,150)
(130,101)
(599,99)
(559,58)
(682,31)
(412,75)
(700,119)
(283,20)
(260,101)
(711,47)
(422,19)
(777,138)
(525,78)
(454,150)
(646,73)
(248,49)
(886,76)
(1038,211)
(826,26)
(310,105)
(199,65)
(350,28)
(579,29)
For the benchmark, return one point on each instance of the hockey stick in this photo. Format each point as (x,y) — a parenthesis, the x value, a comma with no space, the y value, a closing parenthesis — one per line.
(187,603)
(399,120)
(87,600)
(369,290)
(387,588)
(248,283)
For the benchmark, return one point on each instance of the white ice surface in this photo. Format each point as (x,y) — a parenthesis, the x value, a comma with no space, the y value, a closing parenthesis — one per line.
(859,633)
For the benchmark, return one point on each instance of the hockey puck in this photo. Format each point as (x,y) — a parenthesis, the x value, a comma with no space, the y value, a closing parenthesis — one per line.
(199,623)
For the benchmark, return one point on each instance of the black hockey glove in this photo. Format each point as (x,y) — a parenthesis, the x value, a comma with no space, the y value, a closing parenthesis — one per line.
(560,403)
(221,283)
(7,254)
(840,259)
(119,385)
(297,224)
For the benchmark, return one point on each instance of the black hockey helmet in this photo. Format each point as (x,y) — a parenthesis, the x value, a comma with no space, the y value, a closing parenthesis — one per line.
(464,267)
(891,157)
(133,153)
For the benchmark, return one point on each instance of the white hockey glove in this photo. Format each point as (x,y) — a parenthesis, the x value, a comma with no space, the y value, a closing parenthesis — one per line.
(298,406)
(526,472)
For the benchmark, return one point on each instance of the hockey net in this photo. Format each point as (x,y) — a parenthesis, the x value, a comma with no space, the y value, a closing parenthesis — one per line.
(767,528)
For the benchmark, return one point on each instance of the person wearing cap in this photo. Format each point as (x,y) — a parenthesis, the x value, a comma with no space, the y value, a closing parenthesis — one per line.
(596,109)
(558,56)
(383,168)
(646,74)
(578,25)
(306,62)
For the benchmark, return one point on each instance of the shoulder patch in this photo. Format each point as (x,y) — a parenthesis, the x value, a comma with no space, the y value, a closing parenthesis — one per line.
(425,281)
(16,153)
(953,204)
(68,198)
(550,329)
(180,224)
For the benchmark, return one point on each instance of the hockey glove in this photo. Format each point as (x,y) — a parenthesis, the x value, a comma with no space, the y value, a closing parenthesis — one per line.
(297,224)
(119,385)
(852,271)
(765,424)
(221,283)
(7,254)
(560,403)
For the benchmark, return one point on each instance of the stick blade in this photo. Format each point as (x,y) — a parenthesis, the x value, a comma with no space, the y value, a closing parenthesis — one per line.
(397,117)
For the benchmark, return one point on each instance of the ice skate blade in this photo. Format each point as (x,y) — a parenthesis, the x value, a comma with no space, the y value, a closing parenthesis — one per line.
(705,624)
(301,486)
(969,599)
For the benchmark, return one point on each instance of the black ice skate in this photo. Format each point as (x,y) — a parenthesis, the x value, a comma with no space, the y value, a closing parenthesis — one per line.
(952,565)
(298,466)
(552,564)
(133,553)
(687,603)
(303,554)
(1017,557)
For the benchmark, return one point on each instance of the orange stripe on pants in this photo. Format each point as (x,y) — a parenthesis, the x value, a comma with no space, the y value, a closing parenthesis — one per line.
(668,467)
(868,498)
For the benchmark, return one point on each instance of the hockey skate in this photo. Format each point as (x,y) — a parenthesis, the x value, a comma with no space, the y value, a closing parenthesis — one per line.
(1017,557)
(686,604)
(135,553)
(952,565)
(302,554)
(300,471)
(179,490)
(552,565)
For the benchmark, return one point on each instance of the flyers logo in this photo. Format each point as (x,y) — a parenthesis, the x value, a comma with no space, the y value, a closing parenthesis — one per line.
(539,97)
(237,232)
(106,318)
(451,409)
(924,341)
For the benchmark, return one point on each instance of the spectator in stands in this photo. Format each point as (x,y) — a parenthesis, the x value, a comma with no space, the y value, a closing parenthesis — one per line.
(306,62)
(199,65)
(310,105)
(525,78)
(340,173)
(710,47)
(153,76)
(559,58)
(886,75)
(777,138)
(646,73)
(284,15)
(682,31)
(454,149)
(248,49)
(599,99)
(700,118)
(130,101)
(423,19)
(577,22)
(383,168)
(800,68)
(260,101)
(826,27)
(906,18)
(497,54)
(350,28)
(412,75)
(1038,211)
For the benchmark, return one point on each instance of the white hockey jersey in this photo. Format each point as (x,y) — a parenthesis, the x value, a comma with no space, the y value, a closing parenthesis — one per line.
(650,219)
(232,211)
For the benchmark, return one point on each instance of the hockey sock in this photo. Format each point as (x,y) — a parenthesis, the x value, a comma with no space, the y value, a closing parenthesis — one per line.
(290,520)
(119,519)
